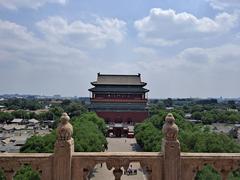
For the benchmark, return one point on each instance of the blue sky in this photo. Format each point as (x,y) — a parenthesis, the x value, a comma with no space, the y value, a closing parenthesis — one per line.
(184,48)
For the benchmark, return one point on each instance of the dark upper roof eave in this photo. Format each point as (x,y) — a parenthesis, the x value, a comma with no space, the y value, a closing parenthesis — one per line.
(116,84)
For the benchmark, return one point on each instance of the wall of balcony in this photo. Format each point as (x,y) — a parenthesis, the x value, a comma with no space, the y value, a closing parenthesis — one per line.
(169,164)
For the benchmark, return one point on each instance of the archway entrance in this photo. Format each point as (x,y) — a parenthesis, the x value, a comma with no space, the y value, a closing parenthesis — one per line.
(118,130)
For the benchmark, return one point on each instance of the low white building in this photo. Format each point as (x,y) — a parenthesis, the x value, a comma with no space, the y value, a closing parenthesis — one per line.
(8,127)
(17,120)
(188,115)
(33,121)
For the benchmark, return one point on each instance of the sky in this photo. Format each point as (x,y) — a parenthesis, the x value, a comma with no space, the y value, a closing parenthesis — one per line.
(184,48)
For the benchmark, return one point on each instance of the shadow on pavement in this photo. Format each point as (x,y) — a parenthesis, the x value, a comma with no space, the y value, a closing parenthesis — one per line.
(136,147)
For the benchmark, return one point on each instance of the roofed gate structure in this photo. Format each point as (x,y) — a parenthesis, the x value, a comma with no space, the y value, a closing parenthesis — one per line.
(119,98)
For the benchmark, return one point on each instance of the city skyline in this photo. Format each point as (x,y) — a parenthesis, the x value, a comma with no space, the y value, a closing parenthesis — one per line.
(188,48)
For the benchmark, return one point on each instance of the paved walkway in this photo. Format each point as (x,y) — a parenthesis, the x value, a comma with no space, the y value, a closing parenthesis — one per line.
(122,145)
(119,145)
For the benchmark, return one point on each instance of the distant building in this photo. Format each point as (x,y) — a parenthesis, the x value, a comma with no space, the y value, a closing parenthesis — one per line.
(56,96)
(232,110)
(188,115)
(33,121)
(17,120)
(169,108)
(119,98)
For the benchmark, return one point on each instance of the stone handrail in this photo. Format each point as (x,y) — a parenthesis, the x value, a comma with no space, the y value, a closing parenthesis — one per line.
(83,163)
(170,164)
(152,163)
(10,163)
(223,163)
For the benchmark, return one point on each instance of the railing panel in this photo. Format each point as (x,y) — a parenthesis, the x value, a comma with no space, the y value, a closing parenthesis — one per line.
(223,163)
(12,162)
(118,160)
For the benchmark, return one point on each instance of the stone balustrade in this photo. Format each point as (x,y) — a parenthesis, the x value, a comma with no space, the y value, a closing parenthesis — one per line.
(83,163)
(170,164)
(223,163)
(10,163)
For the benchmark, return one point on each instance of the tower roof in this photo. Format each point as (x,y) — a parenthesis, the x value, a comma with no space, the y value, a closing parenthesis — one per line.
(114,79)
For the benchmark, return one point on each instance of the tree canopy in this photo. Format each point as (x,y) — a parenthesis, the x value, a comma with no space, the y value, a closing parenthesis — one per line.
(88,136)
(193,138)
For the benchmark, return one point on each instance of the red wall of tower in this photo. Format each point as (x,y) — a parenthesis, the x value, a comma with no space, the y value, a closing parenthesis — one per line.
(123,117)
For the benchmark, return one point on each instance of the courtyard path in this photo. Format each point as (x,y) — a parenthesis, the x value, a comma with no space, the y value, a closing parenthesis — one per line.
(119,145)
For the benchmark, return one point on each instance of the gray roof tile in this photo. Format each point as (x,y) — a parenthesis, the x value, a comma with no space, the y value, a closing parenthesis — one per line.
(109,79)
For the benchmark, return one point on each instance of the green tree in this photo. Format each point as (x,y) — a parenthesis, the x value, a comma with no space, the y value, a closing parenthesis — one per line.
(57,111)
(196,108)
(168,102)
(148,137)
(197,115)
(208,173)
(21,114)
(75,109)
(193,138)
(88,134)
(26,173)
(25,104)
(92,117)
(2,176)
(5,117)
(232,104)
(39,144)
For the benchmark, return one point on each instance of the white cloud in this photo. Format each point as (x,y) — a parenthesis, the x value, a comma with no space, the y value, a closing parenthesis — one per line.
(204,72)
(33,65)
(34,4)
(227,55)
(144,51)
(166,27)
(64,59)
(159,41)
(224,4)
(36,64)
(195,55)
(19,44)
(12,34)
(81,34)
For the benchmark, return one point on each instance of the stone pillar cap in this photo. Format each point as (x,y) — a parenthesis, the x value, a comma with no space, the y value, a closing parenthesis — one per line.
(64,118)
(170,129)
(65,129)
(169,118)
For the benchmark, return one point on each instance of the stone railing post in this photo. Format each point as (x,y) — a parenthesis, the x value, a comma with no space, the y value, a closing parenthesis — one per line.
(9,175)
(117,172)
(64,147)
(171,150)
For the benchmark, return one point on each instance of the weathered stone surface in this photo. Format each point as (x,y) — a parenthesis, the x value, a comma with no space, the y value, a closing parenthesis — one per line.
(64,147)
(65,129)
(10,163)
(170,129)
(171,149)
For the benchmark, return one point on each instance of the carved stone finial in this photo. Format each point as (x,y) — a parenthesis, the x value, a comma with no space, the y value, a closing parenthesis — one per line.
(65,129)
(170,129)
(64,118)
